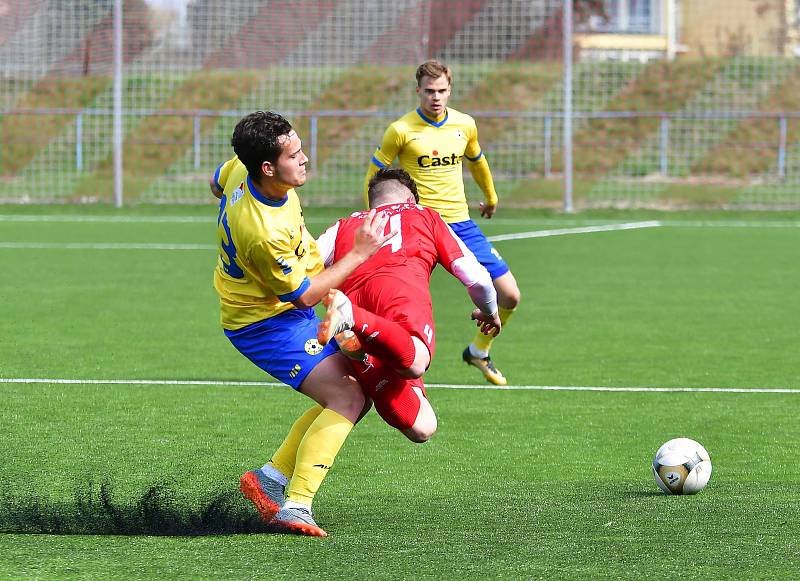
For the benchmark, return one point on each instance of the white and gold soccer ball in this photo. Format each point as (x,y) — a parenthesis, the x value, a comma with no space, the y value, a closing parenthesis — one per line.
(682,466)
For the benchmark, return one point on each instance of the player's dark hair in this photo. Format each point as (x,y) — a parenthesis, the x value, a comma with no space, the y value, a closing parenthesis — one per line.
(380,183)
(433,69)
(257,138)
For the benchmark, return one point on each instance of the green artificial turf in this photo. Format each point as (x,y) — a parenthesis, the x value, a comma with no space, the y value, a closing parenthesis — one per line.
(138,480)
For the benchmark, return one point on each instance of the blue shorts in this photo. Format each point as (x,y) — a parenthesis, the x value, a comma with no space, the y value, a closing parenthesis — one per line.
(476,241)
(285,346)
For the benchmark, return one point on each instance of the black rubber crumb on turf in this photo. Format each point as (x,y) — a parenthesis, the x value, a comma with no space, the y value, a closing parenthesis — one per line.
(95,511)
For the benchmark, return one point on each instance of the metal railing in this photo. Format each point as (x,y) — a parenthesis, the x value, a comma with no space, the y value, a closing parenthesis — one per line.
(665,120)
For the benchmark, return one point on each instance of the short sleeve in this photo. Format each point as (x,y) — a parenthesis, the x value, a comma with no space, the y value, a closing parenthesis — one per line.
(390,147)
(473,150)
(222,172)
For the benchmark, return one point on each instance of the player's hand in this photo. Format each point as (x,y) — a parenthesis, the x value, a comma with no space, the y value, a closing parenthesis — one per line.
(488,210)
(488,324)
(370,235)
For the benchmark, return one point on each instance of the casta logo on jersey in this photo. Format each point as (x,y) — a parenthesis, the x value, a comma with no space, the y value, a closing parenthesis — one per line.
(434,160)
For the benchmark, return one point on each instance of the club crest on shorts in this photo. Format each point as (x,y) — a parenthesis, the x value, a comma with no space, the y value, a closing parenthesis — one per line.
(313,347)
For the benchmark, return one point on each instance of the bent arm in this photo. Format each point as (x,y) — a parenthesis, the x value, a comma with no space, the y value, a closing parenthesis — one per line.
(215,189)
(368,240)
(327,279)
(479,168)
(218,188)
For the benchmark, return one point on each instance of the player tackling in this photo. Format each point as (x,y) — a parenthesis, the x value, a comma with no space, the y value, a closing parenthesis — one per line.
(430,143)
(269,276)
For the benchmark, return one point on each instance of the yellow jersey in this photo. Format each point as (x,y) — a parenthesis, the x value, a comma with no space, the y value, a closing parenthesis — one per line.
(266,255)
(431,152)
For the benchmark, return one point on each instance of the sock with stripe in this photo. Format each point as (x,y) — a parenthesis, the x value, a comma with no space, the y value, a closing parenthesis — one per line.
(284,458)
(316,454)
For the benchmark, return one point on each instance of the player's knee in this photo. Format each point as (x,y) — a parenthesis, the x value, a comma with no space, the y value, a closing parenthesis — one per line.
(365,409)
(417,437)
(510,301)
(416,371)
(423,431)
(424,426)
(422,360)
(508,294)
(331,386)
(349,403)
(350,406)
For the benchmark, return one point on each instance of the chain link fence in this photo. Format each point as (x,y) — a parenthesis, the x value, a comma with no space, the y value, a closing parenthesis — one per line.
(673,103)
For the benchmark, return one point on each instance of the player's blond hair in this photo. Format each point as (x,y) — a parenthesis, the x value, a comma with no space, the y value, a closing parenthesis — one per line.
(433,69)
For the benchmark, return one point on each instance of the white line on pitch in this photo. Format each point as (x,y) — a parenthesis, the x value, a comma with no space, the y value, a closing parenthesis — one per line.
(221,383)
(730,224)
(140,382)
(623,389)
(580,230)
(210,219)
(104,246)
(156,246)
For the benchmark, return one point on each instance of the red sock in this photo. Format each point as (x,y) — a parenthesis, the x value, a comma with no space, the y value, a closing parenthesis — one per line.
(383,338)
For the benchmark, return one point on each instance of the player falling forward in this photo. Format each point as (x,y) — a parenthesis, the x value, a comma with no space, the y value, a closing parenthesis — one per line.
(430,143)
(386,301)
(269,275)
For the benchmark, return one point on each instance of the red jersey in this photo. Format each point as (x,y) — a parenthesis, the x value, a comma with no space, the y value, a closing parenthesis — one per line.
(423,240)
(395,284)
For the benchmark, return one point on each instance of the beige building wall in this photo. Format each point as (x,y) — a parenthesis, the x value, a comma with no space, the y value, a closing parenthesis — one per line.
(737,27)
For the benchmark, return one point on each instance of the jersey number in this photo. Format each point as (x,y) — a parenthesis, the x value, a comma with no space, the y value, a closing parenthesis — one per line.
(396,241)
(230,267)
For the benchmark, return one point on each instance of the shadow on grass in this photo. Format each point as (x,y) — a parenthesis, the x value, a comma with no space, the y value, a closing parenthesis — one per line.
(94,511)
(642,493)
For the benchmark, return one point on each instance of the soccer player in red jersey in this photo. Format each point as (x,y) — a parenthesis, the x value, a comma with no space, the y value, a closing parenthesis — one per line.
(386,302)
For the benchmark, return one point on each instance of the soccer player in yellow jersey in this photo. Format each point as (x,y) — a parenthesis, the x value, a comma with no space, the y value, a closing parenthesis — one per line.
(269,275)
(430,144)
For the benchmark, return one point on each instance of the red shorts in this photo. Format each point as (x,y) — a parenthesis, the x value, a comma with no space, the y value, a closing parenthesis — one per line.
(391,299)
(395,398)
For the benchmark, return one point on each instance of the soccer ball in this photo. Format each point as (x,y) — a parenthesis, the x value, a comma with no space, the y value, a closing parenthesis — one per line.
(682,466)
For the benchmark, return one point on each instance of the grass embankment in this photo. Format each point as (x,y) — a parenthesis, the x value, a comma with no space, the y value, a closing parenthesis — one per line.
(155,143)
(752,148)
(24,135)
(602,144)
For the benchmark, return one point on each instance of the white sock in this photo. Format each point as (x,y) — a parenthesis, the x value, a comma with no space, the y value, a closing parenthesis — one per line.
(293,504)
(475,352)
(275,474)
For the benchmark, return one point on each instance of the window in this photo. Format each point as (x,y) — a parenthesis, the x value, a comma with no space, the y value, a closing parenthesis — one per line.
(630,16)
